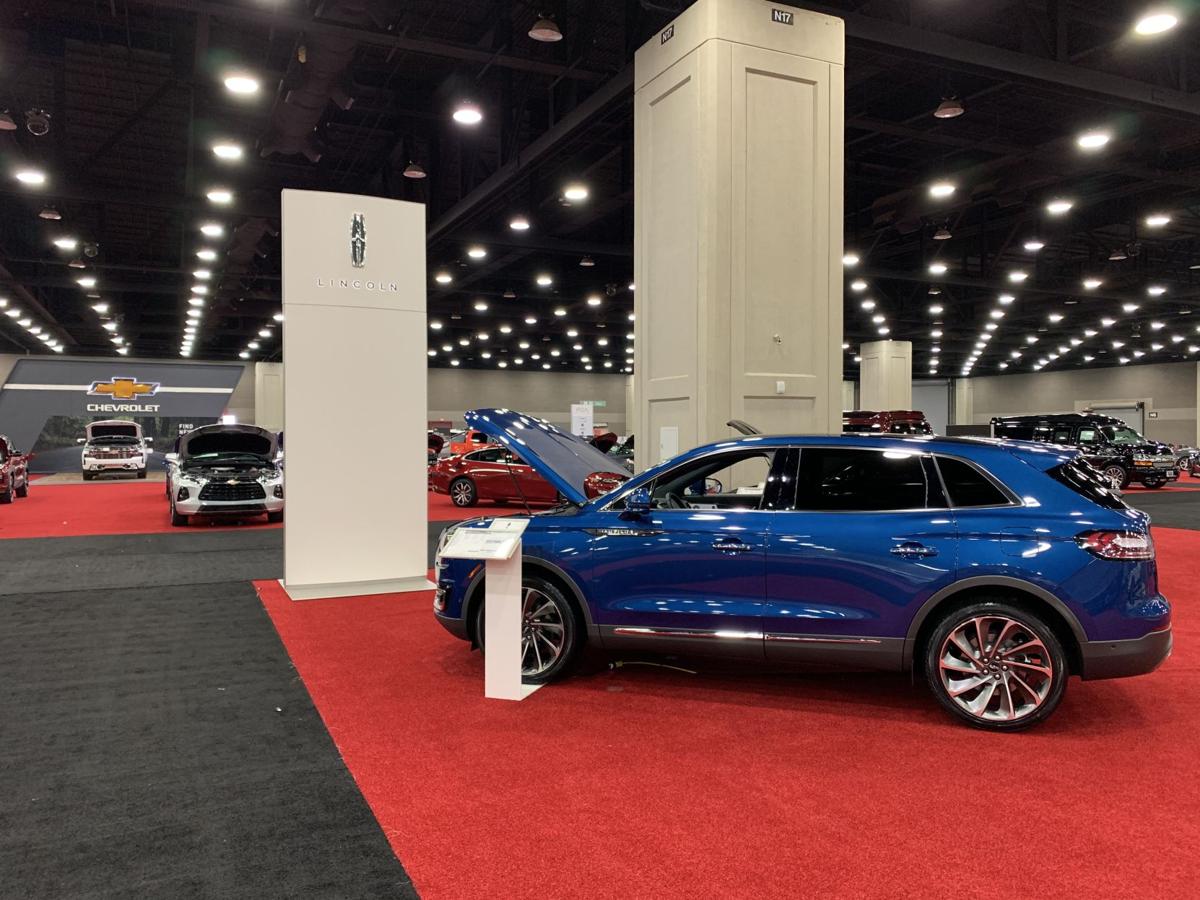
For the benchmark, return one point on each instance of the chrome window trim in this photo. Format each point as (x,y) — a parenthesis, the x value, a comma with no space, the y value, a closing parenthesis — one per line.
(626,489)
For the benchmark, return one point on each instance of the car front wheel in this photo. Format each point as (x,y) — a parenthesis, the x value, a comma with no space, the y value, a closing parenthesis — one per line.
(996,666)
(550,631)
(1154,482)
(177,519)
(1116,477)
(462,492)
(23,490)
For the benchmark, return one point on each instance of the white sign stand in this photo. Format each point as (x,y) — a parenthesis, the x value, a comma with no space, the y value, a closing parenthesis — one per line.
(499,545)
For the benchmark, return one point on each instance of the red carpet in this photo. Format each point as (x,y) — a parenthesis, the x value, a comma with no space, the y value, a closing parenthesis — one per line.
(442,510)
(115,507)
(646,782)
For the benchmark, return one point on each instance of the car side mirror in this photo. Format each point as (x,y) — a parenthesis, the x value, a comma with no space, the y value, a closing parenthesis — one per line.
(81,440)
(638,502)
(172,457)
(148,441)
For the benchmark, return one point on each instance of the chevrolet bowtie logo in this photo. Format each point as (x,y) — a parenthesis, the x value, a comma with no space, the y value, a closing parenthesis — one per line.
(121,388)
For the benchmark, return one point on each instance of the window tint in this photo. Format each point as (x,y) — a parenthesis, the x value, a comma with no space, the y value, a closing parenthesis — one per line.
(853,479)
(1087,435)
(492,454)
(737,479)
(967,486)
(1084,480)
(1062,436)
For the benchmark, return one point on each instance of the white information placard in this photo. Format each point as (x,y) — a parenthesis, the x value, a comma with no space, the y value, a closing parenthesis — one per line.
(582,419)
(498,541)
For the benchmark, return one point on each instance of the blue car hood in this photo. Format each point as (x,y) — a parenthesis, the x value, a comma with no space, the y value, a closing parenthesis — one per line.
(562,459)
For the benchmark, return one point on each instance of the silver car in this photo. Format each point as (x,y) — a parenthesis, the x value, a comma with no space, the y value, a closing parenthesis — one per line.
(225,470)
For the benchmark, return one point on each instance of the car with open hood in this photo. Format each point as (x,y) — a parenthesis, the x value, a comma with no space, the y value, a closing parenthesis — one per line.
(114,445)
(994,569)
(225,470)
(14,471)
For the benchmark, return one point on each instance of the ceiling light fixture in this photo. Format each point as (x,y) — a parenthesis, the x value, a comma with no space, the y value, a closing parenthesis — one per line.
(1017,276)
(211,229)
(241,83)
(1118,254)
(587,262)
(66,243)
(544,280)
(1157,220)
(938,268)
(545,30)
(220,195)
(206,255)
(941,189)
(50,213)
(850,259)
(1059,207)
(86,281)
(1093,140)
(575,192)
(467,113)
(31,177)
(412,170)
(1006,299)
(227,150)
(949,108)
(942,233)
(1156,290)
(518,223)
(1157,22)
(1090,284)
(476,252)
(443,277)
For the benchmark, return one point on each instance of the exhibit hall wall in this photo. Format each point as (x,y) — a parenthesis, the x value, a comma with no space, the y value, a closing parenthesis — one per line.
(1169,392)
(546,395)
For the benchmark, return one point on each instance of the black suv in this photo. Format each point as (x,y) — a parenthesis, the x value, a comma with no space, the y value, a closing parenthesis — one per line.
(1110,445)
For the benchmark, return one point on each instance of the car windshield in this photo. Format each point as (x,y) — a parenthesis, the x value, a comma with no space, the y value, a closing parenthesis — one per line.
(1124,436)
(114,439)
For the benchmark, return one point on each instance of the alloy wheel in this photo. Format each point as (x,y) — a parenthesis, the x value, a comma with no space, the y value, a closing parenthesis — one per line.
(995,668)
(1115,476)
(460,493)
(543,632)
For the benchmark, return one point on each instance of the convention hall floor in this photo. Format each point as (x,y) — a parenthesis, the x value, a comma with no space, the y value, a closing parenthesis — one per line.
(174,726)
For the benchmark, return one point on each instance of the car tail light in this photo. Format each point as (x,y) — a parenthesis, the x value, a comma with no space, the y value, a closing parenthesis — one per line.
(1122,545)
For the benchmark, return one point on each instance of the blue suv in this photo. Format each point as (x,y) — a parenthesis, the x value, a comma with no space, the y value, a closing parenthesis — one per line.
(995,568)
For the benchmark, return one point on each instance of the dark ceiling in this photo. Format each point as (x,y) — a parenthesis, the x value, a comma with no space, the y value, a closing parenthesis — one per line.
(352,91)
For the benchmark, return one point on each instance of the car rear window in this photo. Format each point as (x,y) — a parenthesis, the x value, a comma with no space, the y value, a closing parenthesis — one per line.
(1084,480)
(967,486)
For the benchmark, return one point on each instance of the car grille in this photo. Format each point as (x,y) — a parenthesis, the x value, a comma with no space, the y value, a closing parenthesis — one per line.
(232,493)
(111,454)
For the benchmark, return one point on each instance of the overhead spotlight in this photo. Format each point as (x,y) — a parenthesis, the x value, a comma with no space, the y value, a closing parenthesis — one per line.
(560,312)
(1059,207)
(227,150)
(575,192)
(443,277)
(1017,276)
(509,294)
(594,300)
(241,83)
(1118,254)
(850,260)
(202,274)
(100,308)
(544,280)
(211,229)
(941,189)
(936,310)
(245,354)
(50,213)
(476,252)
(77,263)
(519,223)
(206,255)
(91,249)
(1033,245)
(1157,22)
(1157,220)
(631,286)
(481,306)
(949,108)
(1156,290)
(467,113)
(87,281)
(1093,140)
(1006,299)
(937,268)
(942,233)
(413,170)
(587,262)
(31,177)
(1090,284)
(66,243)
(7,122)
(858,285)
(220,195)
(545,30)
(933,291)
(195,301)
(37,122)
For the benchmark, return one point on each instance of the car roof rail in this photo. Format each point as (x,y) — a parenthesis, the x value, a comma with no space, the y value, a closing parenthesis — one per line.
(743,427)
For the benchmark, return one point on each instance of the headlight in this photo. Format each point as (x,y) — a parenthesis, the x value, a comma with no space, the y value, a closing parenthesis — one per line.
(445,536)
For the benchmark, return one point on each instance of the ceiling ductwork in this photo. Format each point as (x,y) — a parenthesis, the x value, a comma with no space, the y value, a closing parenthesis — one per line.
(322,75)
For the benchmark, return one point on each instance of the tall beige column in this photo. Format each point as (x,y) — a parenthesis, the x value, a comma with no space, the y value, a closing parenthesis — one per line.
(885,375)
(738,225)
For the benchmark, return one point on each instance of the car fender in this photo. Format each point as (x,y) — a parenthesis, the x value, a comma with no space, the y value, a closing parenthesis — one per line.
(987,581)
(472,596)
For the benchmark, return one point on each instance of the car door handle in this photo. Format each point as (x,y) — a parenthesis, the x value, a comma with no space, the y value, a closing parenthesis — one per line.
(731,545)
(913,550)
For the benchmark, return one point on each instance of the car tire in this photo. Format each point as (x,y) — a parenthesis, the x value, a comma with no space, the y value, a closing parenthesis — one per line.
(88,476)
(8,496)
(23,490)
(141,473)
(275,517)
(178,519)
(462,492)
(546,606)
(958,674)
(1116,477)
(1154,482)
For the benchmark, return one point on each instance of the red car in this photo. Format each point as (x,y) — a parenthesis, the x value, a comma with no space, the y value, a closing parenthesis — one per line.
(494,473)
(14,472)
(889,421)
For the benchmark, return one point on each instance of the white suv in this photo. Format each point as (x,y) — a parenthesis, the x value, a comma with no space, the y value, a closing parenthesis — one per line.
(114,445)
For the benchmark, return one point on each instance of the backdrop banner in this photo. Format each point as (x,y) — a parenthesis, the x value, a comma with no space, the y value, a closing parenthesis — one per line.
(45,403)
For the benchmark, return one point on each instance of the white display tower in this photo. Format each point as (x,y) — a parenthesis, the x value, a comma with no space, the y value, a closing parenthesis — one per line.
(885,375)
(738,136)
(354,395)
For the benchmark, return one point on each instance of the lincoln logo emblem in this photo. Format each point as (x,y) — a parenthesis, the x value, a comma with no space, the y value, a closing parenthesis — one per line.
(358,240)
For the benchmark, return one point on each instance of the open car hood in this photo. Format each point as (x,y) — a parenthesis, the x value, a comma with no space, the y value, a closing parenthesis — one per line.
(604,442)
(228,439)
(562,459)
(97,431)
(436,442)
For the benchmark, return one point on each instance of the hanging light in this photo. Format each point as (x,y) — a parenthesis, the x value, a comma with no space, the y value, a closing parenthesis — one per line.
(1118,254)
(7,122)
(412,170)
(943,233)
(587,262)
(949,108)
(50,213)
(467,113)
(545,30)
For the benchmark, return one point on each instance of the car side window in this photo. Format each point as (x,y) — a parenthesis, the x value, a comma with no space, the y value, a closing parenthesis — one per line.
(1087,435)
(513,460)
(1062,436)
(492,454)
(853,479)
(735,479)
(967,486)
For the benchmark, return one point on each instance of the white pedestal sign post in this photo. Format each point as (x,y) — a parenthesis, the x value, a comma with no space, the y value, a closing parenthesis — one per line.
(499,545)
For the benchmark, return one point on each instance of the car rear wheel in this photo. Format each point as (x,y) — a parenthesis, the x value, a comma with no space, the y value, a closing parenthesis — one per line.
(1154,482)
(462,492)
(996,666)
(550,631)
(1116,476)
(23,490)
(8,495)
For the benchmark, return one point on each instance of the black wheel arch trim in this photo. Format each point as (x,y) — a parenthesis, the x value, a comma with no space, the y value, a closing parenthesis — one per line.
(988,581)
(473,595)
